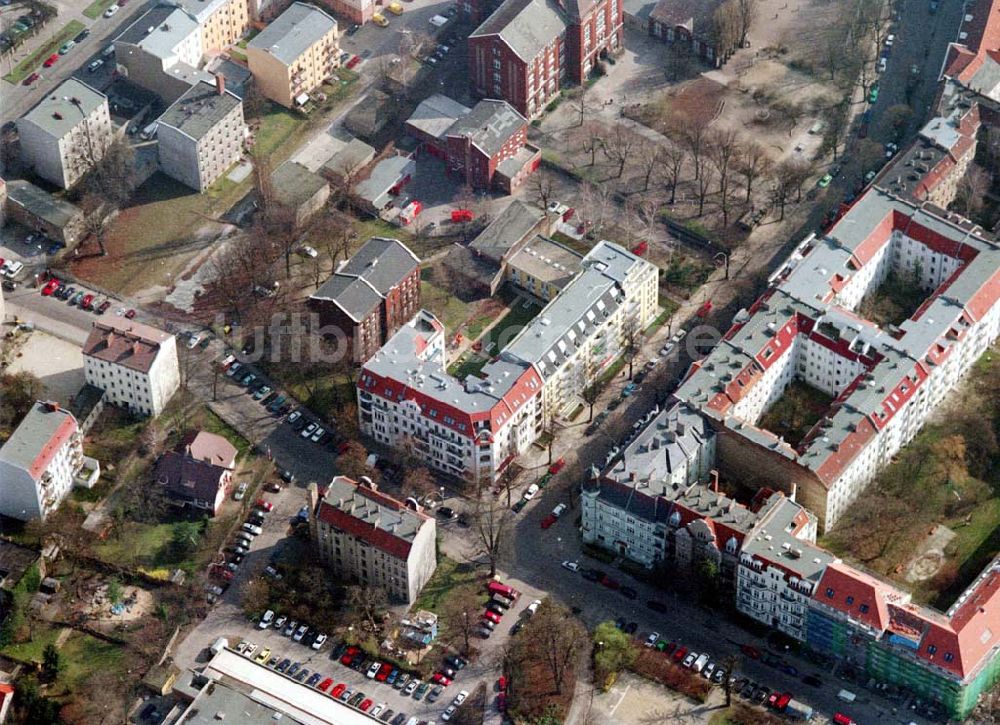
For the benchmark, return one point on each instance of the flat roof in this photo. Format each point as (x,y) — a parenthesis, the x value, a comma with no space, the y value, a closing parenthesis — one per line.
(59,111)
(294,184)
(548,261)
(40,203)
(160,30)
(199,110)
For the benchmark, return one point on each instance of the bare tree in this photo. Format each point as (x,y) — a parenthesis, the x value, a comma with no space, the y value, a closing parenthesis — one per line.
(724,150)
(631,342)
(560,637)
(581,104)
(649,159)
(972,189)
(672,158)
(491,522)
(462,610)
(543,189)
(703,181)
(751,164)
(617,147)
(747,11)
(113,176)
(695,137)
(726,25)
(368,603)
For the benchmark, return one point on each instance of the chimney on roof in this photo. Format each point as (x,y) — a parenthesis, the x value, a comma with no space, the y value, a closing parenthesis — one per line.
(51,406)
(220,83)
(715,480)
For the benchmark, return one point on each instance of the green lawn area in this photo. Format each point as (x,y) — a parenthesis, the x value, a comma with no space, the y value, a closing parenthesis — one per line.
(82,655)
(795,412)
(23,69)
(582,245)
(41,637)
(669,308)
(449,309)
(277,126)
(448,575)
(470,363)
(97,8)
(522,312)
(145,544)
(214,424)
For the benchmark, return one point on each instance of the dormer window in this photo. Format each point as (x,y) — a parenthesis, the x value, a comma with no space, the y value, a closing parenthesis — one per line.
(863,608)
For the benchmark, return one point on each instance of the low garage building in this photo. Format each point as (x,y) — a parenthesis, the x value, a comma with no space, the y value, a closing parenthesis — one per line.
(38,210)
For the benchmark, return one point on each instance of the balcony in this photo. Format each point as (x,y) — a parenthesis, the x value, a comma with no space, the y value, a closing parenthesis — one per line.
(88,473)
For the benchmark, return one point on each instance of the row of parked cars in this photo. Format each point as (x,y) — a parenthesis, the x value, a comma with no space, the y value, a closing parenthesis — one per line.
(81,298)
(259,390)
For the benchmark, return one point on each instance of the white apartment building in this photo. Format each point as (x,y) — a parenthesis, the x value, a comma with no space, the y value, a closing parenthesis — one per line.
(474,428)
(885,380)
(294,54)
(221,22)
(201,135)
(134,364)
(367,537)
(66,133)
(41,461)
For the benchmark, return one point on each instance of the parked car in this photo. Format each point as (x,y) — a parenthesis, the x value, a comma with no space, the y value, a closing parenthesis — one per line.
(111,11)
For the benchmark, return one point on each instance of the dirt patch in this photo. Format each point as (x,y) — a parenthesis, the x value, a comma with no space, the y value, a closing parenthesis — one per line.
(930,555)
(699,102)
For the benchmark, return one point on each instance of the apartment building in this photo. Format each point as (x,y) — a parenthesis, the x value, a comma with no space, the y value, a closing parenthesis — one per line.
(364,536)
(485,146)
(884,382)
(690,23)
(66,133)
(370,296)
(526,51)
(221,23)
(294,54)
(162,52)
(201,135)
(134,364)
(41,461)
(474,428)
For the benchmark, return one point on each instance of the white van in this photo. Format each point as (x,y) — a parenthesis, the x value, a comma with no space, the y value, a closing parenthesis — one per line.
(847,696)
(149,132)
(699,664)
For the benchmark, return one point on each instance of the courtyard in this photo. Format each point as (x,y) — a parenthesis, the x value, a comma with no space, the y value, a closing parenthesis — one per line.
(794,414)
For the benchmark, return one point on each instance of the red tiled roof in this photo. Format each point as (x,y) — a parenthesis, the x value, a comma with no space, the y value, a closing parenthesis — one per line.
(378,537)
(124,342)
(845,582)
(210,448)
(67,427)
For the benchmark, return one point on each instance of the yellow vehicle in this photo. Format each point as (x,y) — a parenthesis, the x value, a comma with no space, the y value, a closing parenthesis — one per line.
(395,8)
(379,20)
(263,656)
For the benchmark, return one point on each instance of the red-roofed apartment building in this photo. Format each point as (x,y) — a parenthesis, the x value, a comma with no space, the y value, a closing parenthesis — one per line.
(370,538)
(134,364)
(41,461)
(198,473)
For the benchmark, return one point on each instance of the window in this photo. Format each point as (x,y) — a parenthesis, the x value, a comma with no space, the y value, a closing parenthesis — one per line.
(931,649)
(863,608)
(850,600)
(948,656)
(829,592)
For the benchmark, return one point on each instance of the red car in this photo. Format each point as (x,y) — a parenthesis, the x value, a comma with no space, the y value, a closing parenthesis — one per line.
(557,466)
(751,652)
(130,314)
(548,521)
(104,307)
(461,215)
(441,679)
(349,656)
(354,61)
(609,582)
(86,302)
(492,616)
(51,60)
(502,684)
(266,505)
(680,654)
(366,704)
(383,672)
(51,287)
(324,685)
(841,719)
(30,79)
(338,690)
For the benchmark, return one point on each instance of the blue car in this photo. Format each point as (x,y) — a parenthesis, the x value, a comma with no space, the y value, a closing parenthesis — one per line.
(283,665)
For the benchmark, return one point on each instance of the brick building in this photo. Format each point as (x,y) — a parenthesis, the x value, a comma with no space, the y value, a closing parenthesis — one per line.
(528,50)
(370,296)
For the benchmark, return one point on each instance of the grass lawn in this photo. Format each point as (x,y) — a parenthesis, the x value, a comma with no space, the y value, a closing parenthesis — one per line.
(276,127)
(522,312)
(82,655)
(23,69)
(450,310)
(97,8)
(448,575)
(795,412)
(143,543)
(577,245)
(468,364)
(686,273)
(31,651)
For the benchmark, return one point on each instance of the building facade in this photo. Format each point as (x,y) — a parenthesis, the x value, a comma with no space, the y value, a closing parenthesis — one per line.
(41,461)
(66,133)
(528,50)
(365,536)
(198,474)
(221,22)
(370,296)
(294,54)
(134,364)
(39,210)
(691,24)
(201,135)
(473,429)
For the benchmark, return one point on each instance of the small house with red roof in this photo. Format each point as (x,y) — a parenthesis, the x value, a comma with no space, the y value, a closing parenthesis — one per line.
(41,461)
(198,473)
(373,539)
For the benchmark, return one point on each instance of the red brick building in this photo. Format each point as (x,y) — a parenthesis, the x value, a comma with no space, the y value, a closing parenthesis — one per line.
(527,50)
(370,296)
(485,146)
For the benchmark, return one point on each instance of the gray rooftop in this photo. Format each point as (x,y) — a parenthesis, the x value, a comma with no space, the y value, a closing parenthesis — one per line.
(233,706)
(37,436)
(62,109)
(388,517)
(436,114)
(488,125)
(548,261)
(551,338)
(199,110)
(383,177)
(363,280)
(294,184)
(293,32)
(159,30)
(40,203)
(504,233)
(349,158)
(527,26)
(774,541)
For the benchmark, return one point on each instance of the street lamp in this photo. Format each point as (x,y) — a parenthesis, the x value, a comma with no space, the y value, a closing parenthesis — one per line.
(723,261)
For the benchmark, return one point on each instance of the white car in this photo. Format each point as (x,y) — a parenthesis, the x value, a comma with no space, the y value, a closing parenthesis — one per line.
(890,39)
(460,698)
(559,510)
(533,607)
(377,709)
(308,430)
(317,434)
(571,565)
(373,670)
(446,715)
(111,11)
(241,491)
(265,621)
(319,641)
(300,633)
(652,639)
(193,340)
(307,251)
(530,493)
(252,530)
(11,268)
(249,649)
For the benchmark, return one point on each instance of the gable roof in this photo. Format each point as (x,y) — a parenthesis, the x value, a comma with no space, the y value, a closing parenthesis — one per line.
(508,230)
(525,26)
(125,342)
(365,279)
(210,448)
(186,478)
(436,114)
(488,125)
(39,436)
(293,32)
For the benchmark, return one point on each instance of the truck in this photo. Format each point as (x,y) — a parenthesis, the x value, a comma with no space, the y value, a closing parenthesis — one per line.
(798,710)
(699,664)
